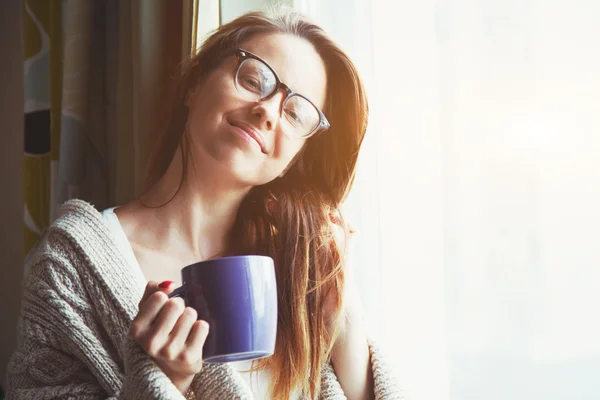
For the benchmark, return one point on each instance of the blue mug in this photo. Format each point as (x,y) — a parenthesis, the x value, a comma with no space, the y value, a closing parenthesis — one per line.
(237,296)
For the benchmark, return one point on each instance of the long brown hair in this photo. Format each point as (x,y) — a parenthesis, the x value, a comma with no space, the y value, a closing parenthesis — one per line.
(288,218)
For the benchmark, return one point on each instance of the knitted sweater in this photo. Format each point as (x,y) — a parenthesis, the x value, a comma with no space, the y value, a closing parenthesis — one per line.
(79,299)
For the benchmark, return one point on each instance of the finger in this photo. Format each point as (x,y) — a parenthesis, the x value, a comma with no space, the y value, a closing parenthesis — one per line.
(166,286)
(182,328)
(334,217)
(147,313)
(167,318)
(150,288)
(351,229)
(198,335)
(339,236)
(153,287)
(156,333)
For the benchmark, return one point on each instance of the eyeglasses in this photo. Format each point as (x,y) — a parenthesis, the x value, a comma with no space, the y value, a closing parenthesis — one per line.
(257,81)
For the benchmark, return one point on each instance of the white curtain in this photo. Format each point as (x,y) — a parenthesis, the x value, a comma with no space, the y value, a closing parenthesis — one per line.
(478,191)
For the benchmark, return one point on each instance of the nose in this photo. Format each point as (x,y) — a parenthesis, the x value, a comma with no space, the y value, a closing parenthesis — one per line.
(267,111)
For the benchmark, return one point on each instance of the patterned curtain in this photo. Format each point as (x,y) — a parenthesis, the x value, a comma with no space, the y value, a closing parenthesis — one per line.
(41,28)
(96,76)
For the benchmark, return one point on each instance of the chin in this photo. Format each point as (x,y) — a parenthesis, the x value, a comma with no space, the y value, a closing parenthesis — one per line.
(238,168)
(235,163)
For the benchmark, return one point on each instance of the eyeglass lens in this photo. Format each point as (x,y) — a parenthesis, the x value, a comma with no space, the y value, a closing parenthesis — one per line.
(256,81)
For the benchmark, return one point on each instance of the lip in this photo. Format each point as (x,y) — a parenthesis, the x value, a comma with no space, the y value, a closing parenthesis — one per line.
(252,132)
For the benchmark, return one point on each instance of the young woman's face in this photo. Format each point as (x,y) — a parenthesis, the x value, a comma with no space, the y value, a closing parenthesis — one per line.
(249,139)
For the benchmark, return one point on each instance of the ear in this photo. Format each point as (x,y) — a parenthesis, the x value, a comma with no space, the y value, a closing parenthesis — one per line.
(189,97)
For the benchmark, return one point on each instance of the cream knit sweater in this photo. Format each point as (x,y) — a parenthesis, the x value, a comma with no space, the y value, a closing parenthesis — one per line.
(79,299)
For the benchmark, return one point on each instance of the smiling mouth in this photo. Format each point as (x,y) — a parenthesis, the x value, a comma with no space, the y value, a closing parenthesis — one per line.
(249,133)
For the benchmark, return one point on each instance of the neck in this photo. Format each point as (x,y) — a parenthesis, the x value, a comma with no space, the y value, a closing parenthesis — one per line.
(196,217)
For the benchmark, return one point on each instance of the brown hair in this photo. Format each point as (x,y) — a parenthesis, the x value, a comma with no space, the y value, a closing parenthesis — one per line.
(288,218)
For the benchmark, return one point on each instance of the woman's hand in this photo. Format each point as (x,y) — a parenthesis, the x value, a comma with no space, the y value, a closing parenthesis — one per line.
(170,333)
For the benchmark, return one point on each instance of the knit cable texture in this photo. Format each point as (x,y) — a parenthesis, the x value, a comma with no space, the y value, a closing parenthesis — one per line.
(79,298)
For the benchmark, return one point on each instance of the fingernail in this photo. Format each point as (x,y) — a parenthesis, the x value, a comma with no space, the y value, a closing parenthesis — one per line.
(335,219)
(165,284)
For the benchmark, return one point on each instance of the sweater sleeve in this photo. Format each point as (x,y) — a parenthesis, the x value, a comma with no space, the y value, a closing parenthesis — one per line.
(386,385)
(64,353)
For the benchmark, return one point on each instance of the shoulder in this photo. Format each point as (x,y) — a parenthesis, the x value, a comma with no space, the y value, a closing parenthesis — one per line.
(79,231)
(78,216)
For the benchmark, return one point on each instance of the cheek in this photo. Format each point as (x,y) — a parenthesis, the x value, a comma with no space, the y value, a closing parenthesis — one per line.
(208,108)
(287,149)
(201,113)
(210,103)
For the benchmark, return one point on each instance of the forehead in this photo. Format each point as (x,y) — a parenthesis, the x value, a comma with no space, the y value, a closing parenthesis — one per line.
(296,62)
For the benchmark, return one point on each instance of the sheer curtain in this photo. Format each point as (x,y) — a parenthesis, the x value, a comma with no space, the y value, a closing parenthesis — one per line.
(397,201)
(522,179)
(478,191)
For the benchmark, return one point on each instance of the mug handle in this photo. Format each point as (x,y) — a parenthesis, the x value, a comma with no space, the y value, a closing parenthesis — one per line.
(179,292)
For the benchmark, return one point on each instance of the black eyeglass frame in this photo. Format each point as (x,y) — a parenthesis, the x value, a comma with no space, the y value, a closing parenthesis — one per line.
(242,55)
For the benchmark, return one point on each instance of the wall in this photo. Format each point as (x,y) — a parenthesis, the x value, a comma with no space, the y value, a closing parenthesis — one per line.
(231,9)
(11,175)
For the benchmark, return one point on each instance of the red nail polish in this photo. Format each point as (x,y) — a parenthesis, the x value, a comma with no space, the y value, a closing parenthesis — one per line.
(334,218)
(165,284)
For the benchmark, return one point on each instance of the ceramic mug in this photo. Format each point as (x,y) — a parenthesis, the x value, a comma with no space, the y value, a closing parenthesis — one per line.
(237,296)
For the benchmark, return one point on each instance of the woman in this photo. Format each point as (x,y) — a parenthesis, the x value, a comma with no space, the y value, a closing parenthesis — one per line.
(258,156)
